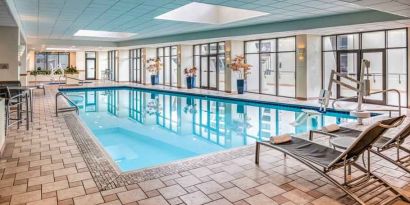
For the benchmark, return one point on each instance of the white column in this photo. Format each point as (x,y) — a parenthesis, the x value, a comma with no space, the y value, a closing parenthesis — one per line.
(123,68)
(9,42)
(308,66)
(187,60)
(149,53)
(102,63)
(232,49)
(79,63)
(408,67)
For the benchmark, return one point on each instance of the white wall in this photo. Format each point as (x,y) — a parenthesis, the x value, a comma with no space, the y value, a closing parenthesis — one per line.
(9,42)
(186,61)
(80,63)
(237,49)
(149,53)
(308,66)
(123,69)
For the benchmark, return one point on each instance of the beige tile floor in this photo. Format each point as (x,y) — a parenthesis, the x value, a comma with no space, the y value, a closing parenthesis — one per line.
(44,166)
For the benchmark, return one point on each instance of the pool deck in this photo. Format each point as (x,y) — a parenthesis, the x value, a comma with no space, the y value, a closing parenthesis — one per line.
(55,162)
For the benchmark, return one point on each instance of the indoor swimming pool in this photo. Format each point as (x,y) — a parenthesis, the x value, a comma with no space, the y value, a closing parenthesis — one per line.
(141,128)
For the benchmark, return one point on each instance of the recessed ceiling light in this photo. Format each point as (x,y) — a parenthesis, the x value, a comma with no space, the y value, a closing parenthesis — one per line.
(209,14)
(103,34)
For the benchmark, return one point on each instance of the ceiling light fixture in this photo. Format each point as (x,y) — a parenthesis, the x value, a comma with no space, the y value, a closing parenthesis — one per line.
(209,14)
(103,34)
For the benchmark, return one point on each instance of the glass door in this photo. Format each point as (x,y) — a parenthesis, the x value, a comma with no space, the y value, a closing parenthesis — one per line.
(213,64)
(348,65)
(90,64)
(204,72)
(376,75)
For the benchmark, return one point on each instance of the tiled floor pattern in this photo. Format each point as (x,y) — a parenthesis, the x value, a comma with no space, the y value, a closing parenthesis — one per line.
(44,166)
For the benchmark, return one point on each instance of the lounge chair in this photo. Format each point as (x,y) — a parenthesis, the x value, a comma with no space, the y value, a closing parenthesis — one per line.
(322,159)
(381,145)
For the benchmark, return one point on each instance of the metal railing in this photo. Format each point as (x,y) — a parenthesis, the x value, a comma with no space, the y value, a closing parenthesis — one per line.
(378,92)
(74,107)
(60,85)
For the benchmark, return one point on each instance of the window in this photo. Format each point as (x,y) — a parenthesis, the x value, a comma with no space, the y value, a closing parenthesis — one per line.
(169,59)
(49,60)
(273,70)
(347,51)
(112,64)
(209,58)
(135,65)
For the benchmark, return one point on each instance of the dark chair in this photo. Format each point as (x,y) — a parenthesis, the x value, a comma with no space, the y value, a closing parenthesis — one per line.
(17,103)
(323,160)
(381,145)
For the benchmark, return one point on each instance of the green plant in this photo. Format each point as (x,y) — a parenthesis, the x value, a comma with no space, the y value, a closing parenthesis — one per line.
(58,72)
(71,70)
(34,73)
(40,72)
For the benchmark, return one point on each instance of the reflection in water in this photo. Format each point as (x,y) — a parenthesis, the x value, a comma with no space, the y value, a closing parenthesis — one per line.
(209,118)
(131,123)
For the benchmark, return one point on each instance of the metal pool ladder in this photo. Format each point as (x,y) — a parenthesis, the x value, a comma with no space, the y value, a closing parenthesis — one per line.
(73,106)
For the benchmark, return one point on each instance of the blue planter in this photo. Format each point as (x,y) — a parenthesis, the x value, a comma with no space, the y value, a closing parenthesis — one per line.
(193,81)
(154,79)
(240,85)
(189,83)
(240,109)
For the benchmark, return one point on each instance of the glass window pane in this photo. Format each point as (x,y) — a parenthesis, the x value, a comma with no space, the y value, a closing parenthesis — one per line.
(174,73)
(286,74)
(213,48)
(160,52)
(268,78)
(329,64)
(40,61)
(396,38)
(63,60)
(252,47)
(348,42)
(286,44)
(167,70)
(221,73)
(204,49)
(174,51)
(397,75)
(268,45)
(196,50)
(221,47)
(329,43)
(373,40)
(52,61)
(252,81)
(167,51)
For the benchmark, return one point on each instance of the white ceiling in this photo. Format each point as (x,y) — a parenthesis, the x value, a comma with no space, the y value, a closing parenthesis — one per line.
(398,7)
(60,19)
(6,19)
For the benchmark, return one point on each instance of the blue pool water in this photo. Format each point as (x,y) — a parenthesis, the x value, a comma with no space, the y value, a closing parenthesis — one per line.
(140,128)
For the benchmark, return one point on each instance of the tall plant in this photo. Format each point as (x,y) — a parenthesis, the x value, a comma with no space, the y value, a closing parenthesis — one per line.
(190,72)
(154,65)
(238,65)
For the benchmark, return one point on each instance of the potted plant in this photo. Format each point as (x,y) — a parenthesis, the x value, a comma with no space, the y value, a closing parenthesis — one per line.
(190,74)
(243,68)
(71,73)
(154,66)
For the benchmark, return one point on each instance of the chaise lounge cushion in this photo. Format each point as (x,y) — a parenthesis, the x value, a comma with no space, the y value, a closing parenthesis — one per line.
(313,152)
